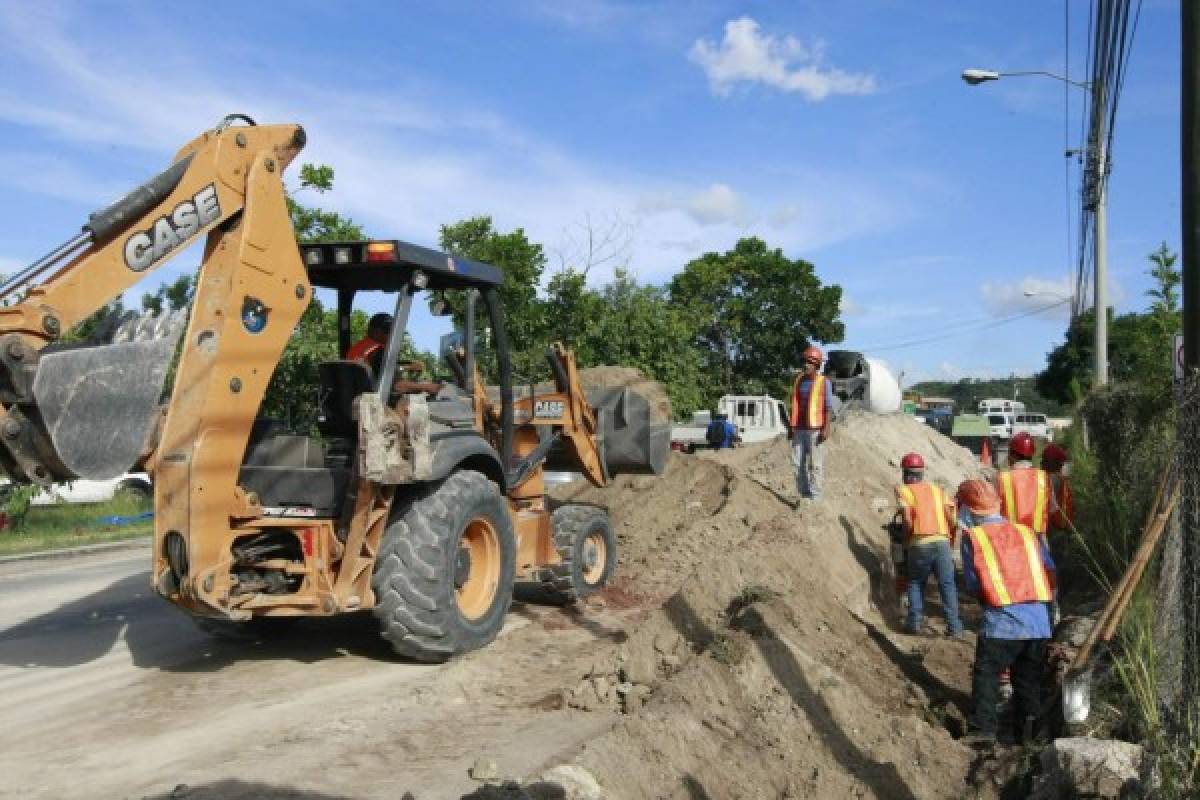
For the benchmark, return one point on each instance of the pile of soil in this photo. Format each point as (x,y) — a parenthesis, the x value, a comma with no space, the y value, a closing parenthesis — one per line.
(762,654)
(633,379)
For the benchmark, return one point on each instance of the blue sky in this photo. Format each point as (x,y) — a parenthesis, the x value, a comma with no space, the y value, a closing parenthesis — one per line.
(836,130)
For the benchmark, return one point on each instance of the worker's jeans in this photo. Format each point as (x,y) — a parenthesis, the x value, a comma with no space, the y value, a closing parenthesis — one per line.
(1027,658)
(808,458)
(924,559)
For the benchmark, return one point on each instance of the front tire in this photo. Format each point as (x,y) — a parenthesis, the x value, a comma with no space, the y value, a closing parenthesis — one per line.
(587,546)
(443,579)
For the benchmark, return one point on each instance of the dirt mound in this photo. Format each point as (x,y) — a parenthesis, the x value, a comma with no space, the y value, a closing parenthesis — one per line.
(605,377)
(767,659)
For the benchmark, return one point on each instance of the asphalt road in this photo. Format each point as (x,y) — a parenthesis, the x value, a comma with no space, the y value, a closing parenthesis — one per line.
(107,690)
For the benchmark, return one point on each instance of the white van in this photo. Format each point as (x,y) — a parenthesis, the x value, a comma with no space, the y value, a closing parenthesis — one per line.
(1035,425)
(1000,405)
(1000,423)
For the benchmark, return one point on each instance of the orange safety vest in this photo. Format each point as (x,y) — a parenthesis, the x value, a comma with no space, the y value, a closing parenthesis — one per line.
(814,411)
(1008,561)
(1065,513)
(925,508)
(1025,497)
(362,349)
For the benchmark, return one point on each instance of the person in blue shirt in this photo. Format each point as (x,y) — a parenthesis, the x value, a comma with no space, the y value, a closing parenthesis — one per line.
(1009,567)
(721,433)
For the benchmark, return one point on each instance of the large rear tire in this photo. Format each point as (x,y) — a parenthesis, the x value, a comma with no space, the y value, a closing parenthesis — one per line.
(588,549)
(443,580)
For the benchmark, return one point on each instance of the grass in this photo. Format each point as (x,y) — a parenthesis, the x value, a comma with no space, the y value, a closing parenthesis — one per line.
(71,525)
(1114,482)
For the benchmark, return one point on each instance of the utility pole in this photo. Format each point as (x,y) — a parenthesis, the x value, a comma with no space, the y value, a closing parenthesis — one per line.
(1100,242)
(1188,425)
(1190,188)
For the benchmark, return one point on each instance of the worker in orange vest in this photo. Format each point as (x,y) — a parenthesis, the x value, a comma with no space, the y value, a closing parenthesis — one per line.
(1011,570)
(1062,513)
(1025,494)
(812,408)
(378,328)
(930,521)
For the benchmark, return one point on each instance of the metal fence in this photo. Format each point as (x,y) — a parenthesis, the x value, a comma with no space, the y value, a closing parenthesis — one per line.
(1178,601)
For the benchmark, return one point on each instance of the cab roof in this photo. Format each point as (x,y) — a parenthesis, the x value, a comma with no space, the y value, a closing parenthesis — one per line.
(388,264)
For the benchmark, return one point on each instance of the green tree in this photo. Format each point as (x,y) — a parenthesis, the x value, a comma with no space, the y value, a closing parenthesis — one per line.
(630,325)
(171,296)
(313,224)
(1165,292)
(1139,343)
(522,263)
(755,310)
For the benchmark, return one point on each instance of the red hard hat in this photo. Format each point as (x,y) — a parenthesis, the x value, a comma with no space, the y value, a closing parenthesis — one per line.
(813,353)
(979,496)
(1055,454)
(912,461)
(1022,445)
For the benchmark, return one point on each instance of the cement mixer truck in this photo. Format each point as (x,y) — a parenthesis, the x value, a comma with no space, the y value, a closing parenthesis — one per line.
(862,382)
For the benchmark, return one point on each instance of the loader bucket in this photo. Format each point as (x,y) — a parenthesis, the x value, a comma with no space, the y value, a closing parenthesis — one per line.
(633,439)
(99,403)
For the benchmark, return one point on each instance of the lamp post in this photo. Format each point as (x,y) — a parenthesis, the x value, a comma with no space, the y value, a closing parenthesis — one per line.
(1099,168)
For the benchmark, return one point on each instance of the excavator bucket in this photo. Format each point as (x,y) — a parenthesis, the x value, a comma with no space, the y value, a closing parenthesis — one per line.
(99,403)
(633,438)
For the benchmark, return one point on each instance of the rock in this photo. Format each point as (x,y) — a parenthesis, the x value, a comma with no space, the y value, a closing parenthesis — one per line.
(180,791)
(641,665)
(1086,767)
(636,698)
(575,781)
(484,770)
(1074,630)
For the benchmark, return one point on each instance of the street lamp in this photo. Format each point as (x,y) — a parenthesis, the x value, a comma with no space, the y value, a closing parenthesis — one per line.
(1066,298)
(978,76)
(974,77)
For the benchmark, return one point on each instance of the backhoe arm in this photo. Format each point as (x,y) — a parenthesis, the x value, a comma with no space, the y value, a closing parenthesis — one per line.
(90,412)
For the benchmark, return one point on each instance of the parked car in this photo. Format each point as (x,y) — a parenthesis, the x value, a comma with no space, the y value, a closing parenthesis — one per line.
(1035,425)
(1001,424)
(1000,405)
(134,485)
(941,421)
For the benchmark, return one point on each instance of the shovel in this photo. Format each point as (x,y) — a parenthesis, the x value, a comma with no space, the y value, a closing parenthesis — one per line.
(1077,683)
(98,403)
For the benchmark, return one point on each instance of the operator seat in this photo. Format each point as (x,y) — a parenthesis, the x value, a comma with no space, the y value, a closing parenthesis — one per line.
(341,382)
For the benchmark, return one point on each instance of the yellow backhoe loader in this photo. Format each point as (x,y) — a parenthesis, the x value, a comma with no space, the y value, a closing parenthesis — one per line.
(422,502)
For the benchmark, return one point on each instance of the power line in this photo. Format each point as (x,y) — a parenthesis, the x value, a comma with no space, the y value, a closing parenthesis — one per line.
(960,328)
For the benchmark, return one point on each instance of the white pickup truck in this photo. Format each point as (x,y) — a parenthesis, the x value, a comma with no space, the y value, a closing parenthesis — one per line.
(756,417)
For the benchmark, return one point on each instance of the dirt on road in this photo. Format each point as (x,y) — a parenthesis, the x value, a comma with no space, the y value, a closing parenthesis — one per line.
(748,647)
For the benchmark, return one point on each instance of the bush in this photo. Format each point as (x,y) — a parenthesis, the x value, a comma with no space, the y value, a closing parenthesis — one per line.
(1131,433)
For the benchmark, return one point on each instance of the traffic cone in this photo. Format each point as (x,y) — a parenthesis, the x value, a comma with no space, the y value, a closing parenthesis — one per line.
(985,455)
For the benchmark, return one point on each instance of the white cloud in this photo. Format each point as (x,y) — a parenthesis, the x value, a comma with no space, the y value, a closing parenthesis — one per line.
(716,204)
(748,55)
(450,159)
(849,308)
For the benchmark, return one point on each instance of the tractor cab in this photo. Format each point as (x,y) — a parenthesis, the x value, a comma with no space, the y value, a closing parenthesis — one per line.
(283,469)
